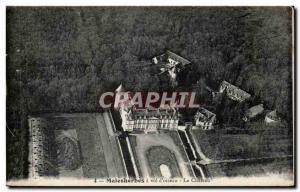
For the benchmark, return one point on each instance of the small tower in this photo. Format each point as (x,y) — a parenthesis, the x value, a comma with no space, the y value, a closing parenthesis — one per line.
(120,89)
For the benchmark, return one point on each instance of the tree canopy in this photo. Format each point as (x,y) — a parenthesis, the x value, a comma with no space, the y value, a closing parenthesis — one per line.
(63,58)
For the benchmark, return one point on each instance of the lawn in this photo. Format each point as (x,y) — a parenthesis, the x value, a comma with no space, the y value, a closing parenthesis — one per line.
(217,145)
(248,168)
(94,165)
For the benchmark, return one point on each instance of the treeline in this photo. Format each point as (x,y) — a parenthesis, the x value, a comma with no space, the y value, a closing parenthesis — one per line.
(62,59)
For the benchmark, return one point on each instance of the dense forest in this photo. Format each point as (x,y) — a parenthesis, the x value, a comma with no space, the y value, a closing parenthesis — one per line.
(62,59)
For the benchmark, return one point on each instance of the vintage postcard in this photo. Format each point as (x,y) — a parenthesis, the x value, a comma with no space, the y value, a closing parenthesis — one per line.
(150,96)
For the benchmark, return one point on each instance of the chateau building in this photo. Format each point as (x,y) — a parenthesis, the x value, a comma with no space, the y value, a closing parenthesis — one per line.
(253,112)
(147,120)
(272,117)
(204,119)
(170,59)
(171,63)
(233,92)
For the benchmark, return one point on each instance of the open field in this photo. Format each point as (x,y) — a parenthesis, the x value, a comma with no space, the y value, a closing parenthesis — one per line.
(248,168)
(94,164)
(268,143)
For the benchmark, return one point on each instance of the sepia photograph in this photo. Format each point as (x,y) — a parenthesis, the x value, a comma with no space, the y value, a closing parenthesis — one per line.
(160,96)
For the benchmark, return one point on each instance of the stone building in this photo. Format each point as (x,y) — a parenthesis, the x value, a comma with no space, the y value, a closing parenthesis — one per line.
(253,112)
(204,119)
(233,92)
(147,120)
(171,63)
(272,117)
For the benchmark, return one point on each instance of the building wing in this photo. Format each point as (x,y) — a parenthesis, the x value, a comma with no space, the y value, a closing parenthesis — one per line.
(233,92)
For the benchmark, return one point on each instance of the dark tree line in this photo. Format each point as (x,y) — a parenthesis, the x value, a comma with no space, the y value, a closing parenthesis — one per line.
(62,59)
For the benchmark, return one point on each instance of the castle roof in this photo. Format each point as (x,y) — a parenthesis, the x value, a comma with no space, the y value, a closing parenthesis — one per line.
(176,57)
(205,115)
(120,88)
(162,59)
(255,110)
(155,113)
(233,91)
